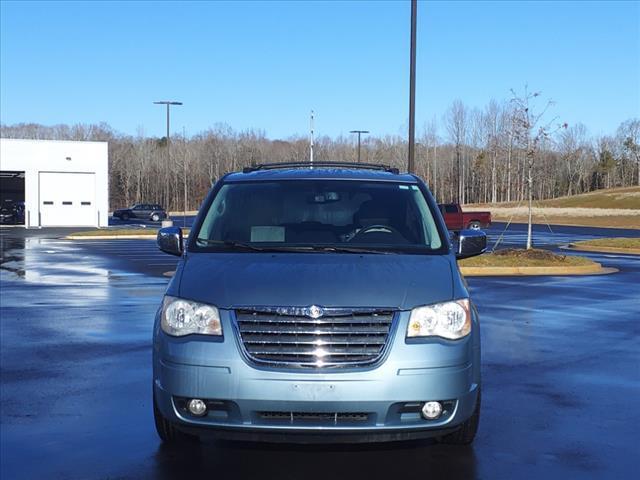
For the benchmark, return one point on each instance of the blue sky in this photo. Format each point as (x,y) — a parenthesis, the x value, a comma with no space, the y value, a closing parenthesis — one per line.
(264,65)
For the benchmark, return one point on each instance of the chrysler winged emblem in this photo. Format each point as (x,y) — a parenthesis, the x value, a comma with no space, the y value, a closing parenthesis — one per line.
(314,311)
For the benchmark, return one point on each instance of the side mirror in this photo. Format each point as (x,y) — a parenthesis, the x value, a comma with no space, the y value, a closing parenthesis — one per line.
(170,240)
(471,243)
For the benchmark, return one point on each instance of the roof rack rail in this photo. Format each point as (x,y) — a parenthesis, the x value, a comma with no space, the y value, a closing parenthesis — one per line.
(367,166)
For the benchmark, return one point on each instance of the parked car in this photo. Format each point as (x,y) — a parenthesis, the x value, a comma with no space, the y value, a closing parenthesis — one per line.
(317,304)
(457,220)
(143,211)
(12,213)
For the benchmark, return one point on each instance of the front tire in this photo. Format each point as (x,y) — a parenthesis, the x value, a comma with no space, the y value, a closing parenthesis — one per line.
(155,217)
(124,216)
(166,430)
(475,225)
(467,431)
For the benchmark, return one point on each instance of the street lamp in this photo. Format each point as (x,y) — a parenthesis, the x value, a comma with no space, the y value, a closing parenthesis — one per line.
(412,88)
(359,132)
(168,103)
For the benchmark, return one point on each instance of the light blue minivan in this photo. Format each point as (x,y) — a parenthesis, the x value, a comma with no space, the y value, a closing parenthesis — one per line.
(318,303)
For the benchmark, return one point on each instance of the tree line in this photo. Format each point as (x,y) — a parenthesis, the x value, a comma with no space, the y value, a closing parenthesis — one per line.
(469,155)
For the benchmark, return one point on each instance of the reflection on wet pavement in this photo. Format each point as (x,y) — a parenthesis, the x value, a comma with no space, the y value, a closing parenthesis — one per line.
(561,373)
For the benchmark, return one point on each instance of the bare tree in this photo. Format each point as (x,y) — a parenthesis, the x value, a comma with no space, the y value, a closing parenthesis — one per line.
(574,150)
(456,124)
(492,120)
(531,130)
(430,141)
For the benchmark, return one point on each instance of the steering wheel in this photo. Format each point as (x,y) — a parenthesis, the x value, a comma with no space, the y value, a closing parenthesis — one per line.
(371,228)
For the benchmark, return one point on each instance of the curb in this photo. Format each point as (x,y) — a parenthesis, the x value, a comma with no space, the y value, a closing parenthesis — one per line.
(589,248)
(595,269)
(110,237)
(114,237)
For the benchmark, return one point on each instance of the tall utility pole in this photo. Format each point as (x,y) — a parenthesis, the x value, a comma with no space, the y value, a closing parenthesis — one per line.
(412,88)
(311,139)
(359,132)
(168,103)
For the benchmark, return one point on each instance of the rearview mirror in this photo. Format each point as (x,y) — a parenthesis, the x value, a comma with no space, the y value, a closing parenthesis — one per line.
(170,240)
(471,243)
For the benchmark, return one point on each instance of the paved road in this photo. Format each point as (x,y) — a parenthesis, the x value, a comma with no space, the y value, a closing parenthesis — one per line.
(561,371)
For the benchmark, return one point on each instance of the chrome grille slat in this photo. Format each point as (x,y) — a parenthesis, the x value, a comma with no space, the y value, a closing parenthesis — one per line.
(287,351)
(350,362)
(354,329)
(314,340)
(260,318)
(346,338)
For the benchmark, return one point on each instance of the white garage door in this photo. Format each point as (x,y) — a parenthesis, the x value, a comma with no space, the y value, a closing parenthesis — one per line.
(67,199)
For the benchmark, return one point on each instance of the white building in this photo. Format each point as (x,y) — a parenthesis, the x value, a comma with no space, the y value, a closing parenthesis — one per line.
(61,183)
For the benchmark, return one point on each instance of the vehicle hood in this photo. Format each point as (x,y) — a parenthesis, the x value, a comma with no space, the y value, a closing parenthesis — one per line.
(232,280)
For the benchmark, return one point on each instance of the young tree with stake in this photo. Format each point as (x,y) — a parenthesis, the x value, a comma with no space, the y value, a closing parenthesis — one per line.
(531,131)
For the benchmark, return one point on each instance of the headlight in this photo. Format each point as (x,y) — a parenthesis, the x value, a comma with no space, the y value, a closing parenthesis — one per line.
(184,317)
(451,320)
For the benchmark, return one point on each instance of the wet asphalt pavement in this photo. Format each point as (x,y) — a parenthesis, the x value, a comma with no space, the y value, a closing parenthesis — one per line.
(561,375)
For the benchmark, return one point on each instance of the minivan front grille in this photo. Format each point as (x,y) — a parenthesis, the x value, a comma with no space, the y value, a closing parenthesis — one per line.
(289,338)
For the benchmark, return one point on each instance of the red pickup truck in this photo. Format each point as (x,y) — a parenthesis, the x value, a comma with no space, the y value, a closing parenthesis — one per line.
(457,220)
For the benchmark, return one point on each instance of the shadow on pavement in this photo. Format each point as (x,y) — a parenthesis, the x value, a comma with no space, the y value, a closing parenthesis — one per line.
(423,460)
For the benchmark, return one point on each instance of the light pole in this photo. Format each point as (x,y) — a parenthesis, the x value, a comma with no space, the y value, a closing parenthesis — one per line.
(168,103)
(412,88)
(359,132)
(311,139)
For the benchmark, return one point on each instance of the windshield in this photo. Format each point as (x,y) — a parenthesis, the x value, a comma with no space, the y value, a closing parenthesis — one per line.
(316,214)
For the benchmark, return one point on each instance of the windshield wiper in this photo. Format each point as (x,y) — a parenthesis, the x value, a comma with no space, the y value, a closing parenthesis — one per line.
(290,248)
(339,249)
(247,246)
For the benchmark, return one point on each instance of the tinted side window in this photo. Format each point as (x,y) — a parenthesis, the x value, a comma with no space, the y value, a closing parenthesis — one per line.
(450,209)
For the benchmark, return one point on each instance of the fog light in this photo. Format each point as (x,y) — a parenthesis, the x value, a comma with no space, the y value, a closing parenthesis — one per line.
(197,407)
(431,410)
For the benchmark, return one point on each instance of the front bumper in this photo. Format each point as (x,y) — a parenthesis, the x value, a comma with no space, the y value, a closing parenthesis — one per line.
(379,403)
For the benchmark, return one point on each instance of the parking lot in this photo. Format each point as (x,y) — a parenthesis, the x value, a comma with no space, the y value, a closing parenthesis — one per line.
(144,256)
(561,374)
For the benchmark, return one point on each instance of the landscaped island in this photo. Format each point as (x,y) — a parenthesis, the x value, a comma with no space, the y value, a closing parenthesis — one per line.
(512,261)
